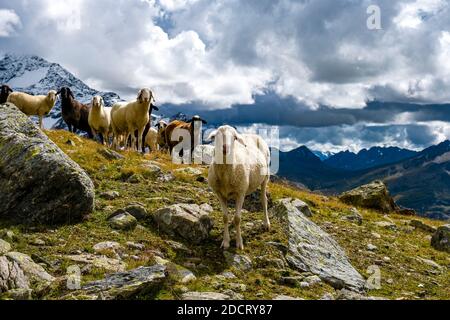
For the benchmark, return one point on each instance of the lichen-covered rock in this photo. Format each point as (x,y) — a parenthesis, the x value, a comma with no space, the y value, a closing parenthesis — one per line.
(441,238)
(374,195)
(4,247)
(313,250)
(99,262)
(137,210)
(35,273)
(238,261)
(11,275)
(189,221)
(38,182)
(128,284)
(122,220)
(422,226)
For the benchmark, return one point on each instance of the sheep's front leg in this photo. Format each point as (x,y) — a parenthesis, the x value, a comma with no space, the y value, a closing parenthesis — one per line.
(40,122)
(264,203)
(237,222)
(139,138)
(226,231)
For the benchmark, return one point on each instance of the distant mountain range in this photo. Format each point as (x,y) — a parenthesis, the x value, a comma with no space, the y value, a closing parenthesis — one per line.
(418,180)
(365,159)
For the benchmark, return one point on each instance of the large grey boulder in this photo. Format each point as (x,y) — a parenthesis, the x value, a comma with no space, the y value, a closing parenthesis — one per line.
(128,284)
(190,221)
(313,250)
(38,182)
(374,195)
(441,238)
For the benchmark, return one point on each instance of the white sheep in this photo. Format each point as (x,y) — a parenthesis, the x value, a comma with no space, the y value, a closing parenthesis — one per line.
(33,105)
(240,166)
(100,119)
(127,117)
(151,139)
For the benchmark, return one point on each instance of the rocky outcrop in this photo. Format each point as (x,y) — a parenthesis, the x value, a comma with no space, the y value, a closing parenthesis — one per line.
(441,238)
(38,182)
(374,196)
(128,284)
(19,272)
(189,221)
(313,250)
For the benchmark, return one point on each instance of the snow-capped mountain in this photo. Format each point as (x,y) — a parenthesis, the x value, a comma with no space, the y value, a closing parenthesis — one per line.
(36,75)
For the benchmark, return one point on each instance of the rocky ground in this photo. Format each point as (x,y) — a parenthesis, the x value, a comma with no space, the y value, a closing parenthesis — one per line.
(156,230)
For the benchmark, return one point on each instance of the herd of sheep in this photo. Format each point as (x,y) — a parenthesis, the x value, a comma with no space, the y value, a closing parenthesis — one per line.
(239,166)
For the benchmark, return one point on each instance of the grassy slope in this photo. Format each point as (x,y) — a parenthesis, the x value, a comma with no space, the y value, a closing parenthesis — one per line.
(400,278)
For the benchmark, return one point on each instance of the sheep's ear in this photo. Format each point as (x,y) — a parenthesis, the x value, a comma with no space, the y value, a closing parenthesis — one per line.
(155,107)
(140,96)
(212,136)
(10,90)
(204,121)
(239,139)
(71,94)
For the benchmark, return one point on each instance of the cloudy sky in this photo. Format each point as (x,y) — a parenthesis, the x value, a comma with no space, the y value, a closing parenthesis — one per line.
(306,66)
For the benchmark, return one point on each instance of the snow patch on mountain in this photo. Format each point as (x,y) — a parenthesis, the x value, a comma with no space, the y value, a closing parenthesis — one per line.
(36,76)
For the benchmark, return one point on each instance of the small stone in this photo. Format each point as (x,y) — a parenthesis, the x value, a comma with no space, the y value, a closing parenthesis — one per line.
(189,171)
(420,285)
(137,210)
(304,284)
(431,263)
(153,168)
(123,221)
(107,246)
(240,262)
(327,296)
(110,154)
(422,226)
(376,235)
(165,177)
(386,259)
(110,195)
(136,246)
(441,238)
(284,297)
(390,281)
(228,275)
(37,242)
(313,280)
(386,225)
(354,216)
(135,178)
(371,247)
(4,247)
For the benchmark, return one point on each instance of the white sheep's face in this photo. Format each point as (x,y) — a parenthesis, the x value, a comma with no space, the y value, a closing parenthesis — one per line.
(52,96)
(97,101)
(225,138)
(144,96)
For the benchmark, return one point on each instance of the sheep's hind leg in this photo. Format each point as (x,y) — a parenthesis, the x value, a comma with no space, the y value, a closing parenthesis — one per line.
(264,203)
(226,232)
(237,222)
